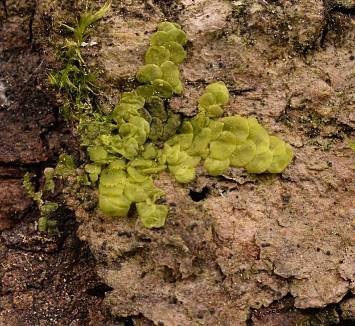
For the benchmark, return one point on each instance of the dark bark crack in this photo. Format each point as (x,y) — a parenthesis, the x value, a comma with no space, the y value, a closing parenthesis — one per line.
(30,24)
(5,7)
(330,9)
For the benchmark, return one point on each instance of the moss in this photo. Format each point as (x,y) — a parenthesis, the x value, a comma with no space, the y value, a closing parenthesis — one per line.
(65,166)
(75,79)
(46,208)
(351,144)
(30,190)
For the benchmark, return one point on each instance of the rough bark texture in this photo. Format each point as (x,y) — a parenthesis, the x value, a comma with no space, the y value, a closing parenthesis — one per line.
(44,280)
(252,240)
(237,249)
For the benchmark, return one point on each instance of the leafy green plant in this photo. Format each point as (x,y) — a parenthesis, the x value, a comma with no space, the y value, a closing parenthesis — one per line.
(351,144)
(126,161)
(78,84)
(82,29)
(75,79)
(223,142)
(46,208)
(141,137)
(65,167)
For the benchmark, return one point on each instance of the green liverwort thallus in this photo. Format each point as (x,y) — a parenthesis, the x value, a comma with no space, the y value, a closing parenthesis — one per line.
(149,139)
